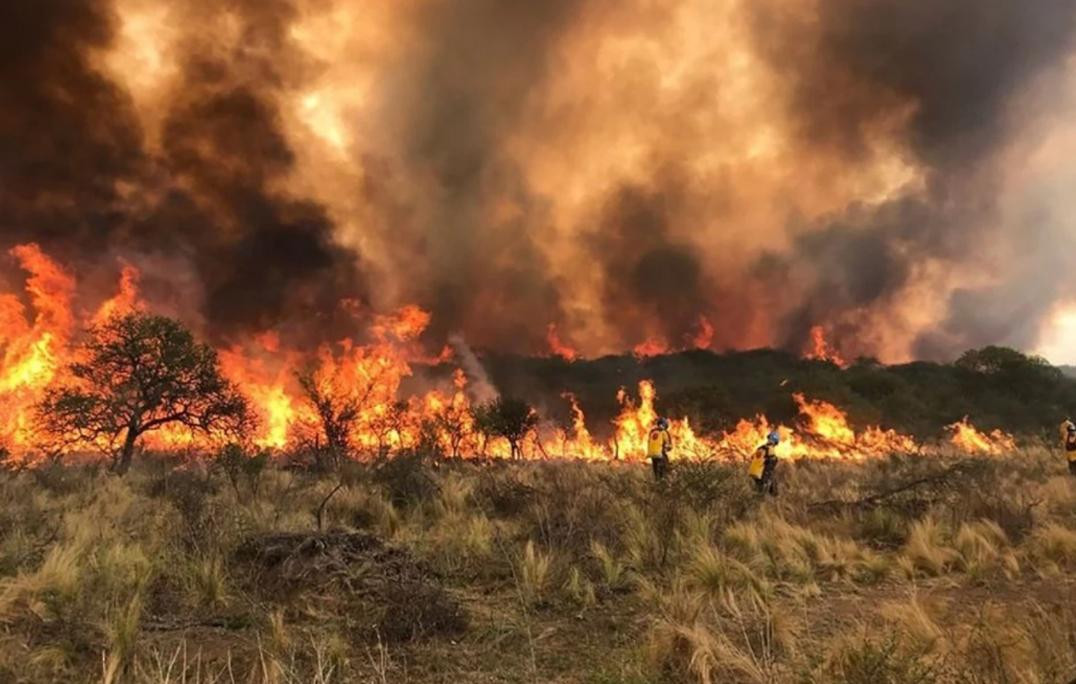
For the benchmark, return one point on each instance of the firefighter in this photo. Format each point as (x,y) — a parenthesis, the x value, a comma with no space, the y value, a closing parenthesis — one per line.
(1068,439)
(658,445)
(764,464)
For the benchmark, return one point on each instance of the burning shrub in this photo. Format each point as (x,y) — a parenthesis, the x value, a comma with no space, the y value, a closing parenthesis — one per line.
(337,415)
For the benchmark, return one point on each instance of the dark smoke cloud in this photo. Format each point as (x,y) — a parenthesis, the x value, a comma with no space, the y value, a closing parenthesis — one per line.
(650,276)
(67,134)
(459,93)
(71,141)
(452,207)
(957,68)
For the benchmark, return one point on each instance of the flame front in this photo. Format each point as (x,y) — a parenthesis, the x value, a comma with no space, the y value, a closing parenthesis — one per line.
(967,438)
(38,340)
(822,350)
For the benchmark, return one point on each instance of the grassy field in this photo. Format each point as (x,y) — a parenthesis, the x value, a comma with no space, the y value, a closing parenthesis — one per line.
(897,570)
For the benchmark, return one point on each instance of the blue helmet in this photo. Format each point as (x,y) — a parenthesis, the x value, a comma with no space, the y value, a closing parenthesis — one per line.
(663,423)
(773,438)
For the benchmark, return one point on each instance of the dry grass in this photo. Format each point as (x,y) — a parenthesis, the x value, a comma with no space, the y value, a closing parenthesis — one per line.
(567,572)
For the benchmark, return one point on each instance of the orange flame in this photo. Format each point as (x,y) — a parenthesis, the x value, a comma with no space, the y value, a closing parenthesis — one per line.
(650,347)
(822,350)
(557,346)
(37,341)
(970,440)
(705,336)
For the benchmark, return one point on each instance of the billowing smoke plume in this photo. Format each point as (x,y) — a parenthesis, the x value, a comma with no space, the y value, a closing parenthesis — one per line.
(80,175)
(965,75)
(893,171)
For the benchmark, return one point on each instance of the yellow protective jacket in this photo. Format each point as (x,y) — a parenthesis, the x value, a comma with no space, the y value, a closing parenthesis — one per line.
(757,467)
(658,443)
(1068,439)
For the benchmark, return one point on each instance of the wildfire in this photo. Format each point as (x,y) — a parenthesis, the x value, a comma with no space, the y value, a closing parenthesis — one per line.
(38,340)
(557,346)
(822,350)
(650,347)
(705,336)
(969,439)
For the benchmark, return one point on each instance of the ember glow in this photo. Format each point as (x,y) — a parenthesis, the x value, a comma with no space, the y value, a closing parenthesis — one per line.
(40,338)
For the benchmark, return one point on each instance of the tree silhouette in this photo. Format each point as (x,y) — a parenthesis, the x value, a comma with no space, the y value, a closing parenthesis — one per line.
(141,373)
(509,418)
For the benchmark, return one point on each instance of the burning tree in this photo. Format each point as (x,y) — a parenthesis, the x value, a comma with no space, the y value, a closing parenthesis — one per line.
(140,373)
(337,415)
(512,419)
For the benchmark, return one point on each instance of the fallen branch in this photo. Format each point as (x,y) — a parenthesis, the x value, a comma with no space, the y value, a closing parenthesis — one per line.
(174,625)
(867,502)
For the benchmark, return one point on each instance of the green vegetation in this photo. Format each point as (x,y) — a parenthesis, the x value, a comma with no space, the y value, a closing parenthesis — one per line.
(426,570)
(996,387)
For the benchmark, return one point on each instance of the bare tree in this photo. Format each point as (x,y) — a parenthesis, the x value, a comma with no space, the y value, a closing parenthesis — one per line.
(142,373)
(337,416)
(390,422)
(339,411)
(452,422)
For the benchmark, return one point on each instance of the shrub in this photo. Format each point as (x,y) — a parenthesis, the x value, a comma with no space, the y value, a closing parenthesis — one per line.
(882,528)
(406,479)
(533,574)
(241,466)
(417,610)
(877,661)
(503,493)
(189,493)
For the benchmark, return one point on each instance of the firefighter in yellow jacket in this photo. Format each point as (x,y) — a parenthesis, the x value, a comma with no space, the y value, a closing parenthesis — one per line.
(1068,440)
(764,465)
(658,445)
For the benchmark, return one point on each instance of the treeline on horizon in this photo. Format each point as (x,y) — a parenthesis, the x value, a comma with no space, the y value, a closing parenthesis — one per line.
(996,387)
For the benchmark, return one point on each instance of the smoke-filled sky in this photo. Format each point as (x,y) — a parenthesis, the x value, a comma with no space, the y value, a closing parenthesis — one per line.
(897,171)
